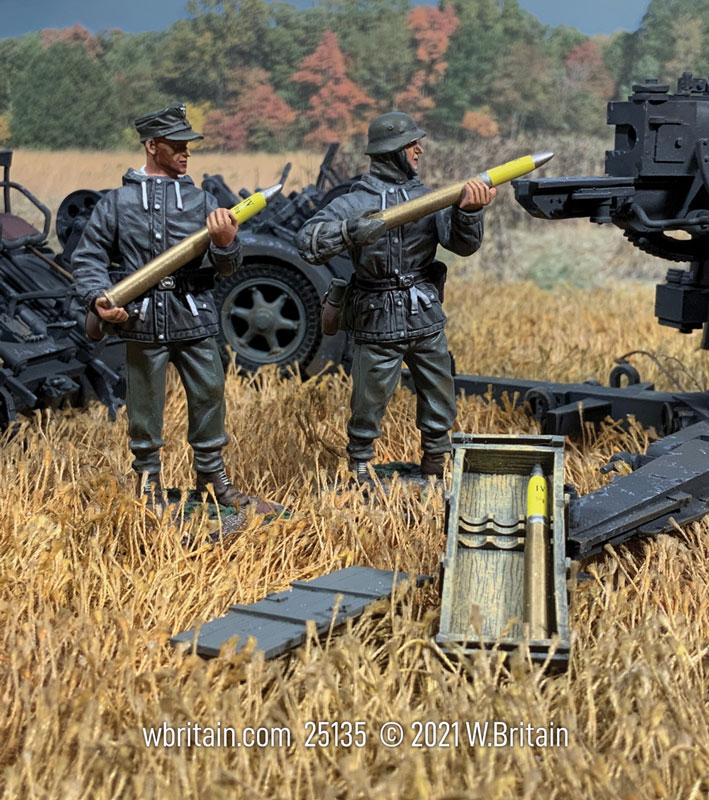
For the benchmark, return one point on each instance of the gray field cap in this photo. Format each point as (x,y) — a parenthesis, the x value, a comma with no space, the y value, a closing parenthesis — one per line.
(168,123)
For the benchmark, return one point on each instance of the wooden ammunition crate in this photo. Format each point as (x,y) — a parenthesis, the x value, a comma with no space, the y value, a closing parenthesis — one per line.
(483,566)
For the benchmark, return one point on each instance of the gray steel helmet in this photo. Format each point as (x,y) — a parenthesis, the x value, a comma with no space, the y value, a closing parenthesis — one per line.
(390,132)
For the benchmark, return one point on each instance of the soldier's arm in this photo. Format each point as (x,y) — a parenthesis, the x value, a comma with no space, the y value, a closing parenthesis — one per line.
(95,251)
(341,225)
(460,227)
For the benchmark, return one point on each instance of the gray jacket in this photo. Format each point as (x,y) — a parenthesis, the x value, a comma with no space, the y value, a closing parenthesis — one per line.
(134,224)
(403,256)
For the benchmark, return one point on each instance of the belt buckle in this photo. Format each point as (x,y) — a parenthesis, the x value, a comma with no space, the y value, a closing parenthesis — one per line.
(167,283)
(406,281)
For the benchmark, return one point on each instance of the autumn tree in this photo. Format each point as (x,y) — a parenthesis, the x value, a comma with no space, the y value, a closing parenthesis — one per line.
(203,54)
(586,88)
(77,34)
(431,30)
(486,62)
(338,108)
(67,101)
(254,118)
(376,42)
(133,61)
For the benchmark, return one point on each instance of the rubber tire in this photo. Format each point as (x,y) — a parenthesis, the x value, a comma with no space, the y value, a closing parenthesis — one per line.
(303,305)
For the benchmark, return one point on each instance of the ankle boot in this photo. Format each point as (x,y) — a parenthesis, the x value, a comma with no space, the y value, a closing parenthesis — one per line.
(150,487)
(433,464)
(361,473)
(225,492)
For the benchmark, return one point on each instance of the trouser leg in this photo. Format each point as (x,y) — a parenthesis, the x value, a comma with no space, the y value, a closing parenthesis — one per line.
(146,366)
(430,365)
(375,374)
(200,368)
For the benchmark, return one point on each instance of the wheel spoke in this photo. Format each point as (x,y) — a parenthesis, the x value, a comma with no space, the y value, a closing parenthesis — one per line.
(278,303)
(241,313)
(273,346)
(258,299)
(283,324)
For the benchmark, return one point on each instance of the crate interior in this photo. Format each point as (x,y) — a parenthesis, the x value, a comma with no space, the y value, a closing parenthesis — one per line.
(485,573)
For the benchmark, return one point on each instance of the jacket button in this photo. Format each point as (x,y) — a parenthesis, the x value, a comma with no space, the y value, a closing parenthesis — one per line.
(396,272)
(392,190)
(158,235)
(159,303)
(157,206)
(158,181)
(161,336)
(371,306)
(398,302)
(395,240)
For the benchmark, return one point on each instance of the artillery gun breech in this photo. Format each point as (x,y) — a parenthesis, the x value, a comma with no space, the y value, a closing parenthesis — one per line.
(438,199)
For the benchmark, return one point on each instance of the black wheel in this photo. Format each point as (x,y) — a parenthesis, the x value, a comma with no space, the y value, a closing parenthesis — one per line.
(74,212)
(269,314)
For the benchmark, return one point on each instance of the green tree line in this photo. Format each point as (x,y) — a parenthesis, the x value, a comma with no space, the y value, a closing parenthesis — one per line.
(260,75)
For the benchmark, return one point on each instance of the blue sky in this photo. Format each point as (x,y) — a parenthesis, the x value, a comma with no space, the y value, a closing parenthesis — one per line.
(20,16)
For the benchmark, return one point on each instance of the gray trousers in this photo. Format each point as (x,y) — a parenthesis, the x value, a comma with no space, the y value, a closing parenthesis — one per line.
(376,368)
(200,368)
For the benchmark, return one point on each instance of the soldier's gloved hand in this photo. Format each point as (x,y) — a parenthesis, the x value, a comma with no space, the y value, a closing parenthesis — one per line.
(362,230)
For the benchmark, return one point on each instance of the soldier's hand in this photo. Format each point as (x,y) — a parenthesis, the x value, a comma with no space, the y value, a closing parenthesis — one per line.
(362,230)
(108,312)
(476,194)
(222,227)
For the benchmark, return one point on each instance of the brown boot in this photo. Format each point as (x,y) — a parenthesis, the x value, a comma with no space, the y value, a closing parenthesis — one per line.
(433,464)
(150,487)
(225,492)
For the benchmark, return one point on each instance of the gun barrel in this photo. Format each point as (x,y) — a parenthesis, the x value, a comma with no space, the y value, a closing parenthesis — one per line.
(438,199)
(183,252)
(536,547)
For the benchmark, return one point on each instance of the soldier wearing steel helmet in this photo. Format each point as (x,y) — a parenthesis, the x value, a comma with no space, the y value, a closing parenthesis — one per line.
(393,304)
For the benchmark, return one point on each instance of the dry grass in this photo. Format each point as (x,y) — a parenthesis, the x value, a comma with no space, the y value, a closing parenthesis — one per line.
(91,589)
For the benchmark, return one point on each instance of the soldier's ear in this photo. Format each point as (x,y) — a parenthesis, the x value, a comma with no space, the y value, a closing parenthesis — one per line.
(151,146)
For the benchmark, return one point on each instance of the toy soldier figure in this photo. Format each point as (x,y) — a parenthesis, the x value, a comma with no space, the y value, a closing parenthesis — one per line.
(393,304)
(175,321)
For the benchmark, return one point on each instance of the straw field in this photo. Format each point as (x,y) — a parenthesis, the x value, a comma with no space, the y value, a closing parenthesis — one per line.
(92,586)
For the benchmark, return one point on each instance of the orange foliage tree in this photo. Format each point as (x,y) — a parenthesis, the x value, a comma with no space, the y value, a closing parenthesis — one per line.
(481,122)
(339,108)
(77,34)
(586,70)
(255,116)
(432,28)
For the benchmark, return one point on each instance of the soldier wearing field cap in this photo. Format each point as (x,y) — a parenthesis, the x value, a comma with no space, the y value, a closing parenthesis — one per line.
(175,321)
(393,304)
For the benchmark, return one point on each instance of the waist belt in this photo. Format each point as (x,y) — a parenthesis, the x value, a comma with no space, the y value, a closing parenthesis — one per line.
(396,282)
(186,283)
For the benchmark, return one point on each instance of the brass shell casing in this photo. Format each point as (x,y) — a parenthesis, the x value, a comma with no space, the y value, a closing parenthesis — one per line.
(183,252)
(160,267)
(536,557)
(438,199)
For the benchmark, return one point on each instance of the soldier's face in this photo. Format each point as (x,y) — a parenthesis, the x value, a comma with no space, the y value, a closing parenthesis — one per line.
(413,153)
(170,156)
